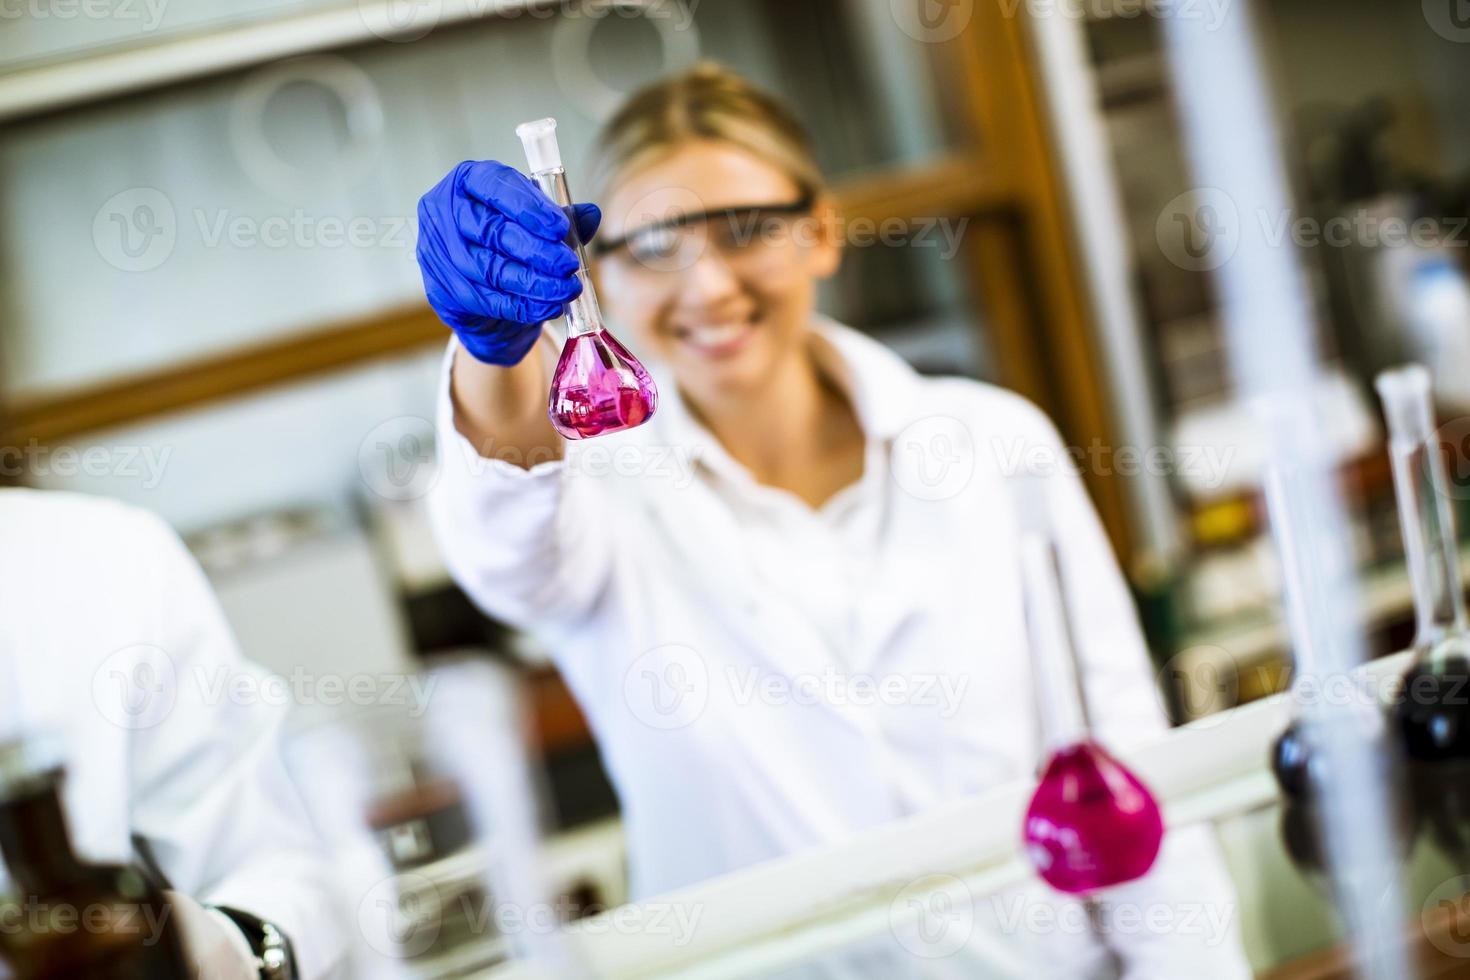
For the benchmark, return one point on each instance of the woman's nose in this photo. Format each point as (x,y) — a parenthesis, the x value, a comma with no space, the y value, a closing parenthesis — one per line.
(708,282)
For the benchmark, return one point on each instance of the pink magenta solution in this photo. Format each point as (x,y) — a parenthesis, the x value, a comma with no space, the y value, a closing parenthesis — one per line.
(1092,823)
(599,388)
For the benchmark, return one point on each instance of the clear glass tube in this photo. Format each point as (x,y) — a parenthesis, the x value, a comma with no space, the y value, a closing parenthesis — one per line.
(1323,738)
(1061,702)
(584,316)
(1422,487)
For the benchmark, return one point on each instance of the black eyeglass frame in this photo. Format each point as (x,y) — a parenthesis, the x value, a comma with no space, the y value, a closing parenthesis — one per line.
(803,205)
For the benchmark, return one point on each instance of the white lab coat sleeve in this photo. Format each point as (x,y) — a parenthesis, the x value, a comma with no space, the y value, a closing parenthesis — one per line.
(1182,918)
(523,543)
(209,791)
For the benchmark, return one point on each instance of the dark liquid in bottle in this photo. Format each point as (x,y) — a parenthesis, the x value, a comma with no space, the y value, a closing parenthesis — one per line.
(1442,796)
(1433,711)
(70,919)
(1300,764)
(1301,836)
(1292,762)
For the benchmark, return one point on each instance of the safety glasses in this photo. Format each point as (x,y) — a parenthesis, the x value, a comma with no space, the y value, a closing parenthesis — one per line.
(676,243)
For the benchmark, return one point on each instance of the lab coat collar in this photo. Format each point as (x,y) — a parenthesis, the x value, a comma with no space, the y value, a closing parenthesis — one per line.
(883,388)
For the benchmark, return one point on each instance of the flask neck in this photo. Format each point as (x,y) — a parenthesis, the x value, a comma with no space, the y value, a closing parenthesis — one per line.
(1061,701)
(1430,545)
(583,314)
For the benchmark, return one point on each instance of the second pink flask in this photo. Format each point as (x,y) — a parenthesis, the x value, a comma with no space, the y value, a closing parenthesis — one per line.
(1091,823)
(598,386)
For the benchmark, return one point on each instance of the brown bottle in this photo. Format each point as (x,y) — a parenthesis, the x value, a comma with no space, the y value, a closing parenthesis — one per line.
(67,918)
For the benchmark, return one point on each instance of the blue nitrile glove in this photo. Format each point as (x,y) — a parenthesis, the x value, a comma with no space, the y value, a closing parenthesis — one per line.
(492,253)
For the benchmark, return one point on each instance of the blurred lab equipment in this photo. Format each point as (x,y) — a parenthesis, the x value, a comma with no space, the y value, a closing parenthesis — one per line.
(1091,823)
(598,386)
(127,932)
(1302,756)
(1433,709)
(1427,292)
(431,818)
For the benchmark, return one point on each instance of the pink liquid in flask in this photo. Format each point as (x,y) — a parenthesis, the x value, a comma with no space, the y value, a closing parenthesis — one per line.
(1092,823)
(599,387)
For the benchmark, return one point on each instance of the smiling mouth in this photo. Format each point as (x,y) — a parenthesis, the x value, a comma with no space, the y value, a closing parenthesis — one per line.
(717,339)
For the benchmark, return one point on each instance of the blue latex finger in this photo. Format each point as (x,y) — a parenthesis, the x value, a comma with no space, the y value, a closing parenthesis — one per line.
(589,219)
(482,225)
(512,277)
(512,193)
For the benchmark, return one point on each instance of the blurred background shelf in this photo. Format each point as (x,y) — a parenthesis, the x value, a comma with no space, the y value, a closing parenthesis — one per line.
(43,71)
(947,188)
(1251,656)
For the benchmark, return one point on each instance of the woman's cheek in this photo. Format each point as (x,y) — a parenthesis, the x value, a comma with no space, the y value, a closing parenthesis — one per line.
(791,309)
(642,322)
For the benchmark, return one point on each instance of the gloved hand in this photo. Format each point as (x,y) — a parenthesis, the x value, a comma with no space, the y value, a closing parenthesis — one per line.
(492,253)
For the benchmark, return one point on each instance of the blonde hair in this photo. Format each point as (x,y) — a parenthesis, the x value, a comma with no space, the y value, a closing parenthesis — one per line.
(708,101)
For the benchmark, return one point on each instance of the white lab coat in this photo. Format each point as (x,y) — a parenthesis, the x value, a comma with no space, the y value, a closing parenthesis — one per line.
(717,633)
(112,643)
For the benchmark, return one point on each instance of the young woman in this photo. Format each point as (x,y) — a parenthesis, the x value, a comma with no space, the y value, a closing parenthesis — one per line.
(788,604)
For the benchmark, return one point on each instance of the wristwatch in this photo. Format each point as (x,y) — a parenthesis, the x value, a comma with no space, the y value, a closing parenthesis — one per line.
(274,956)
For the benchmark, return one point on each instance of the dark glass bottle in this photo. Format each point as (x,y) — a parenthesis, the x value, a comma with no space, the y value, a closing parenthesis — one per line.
(72,919)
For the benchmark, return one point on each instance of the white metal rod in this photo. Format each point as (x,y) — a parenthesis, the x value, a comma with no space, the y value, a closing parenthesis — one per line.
(1270,330)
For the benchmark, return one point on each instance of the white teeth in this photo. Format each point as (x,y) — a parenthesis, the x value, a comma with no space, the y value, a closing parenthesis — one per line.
(714,335)
(717,333)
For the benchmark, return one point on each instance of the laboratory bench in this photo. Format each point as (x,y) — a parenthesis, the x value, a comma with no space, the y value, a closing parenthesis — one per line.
(1214,771)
